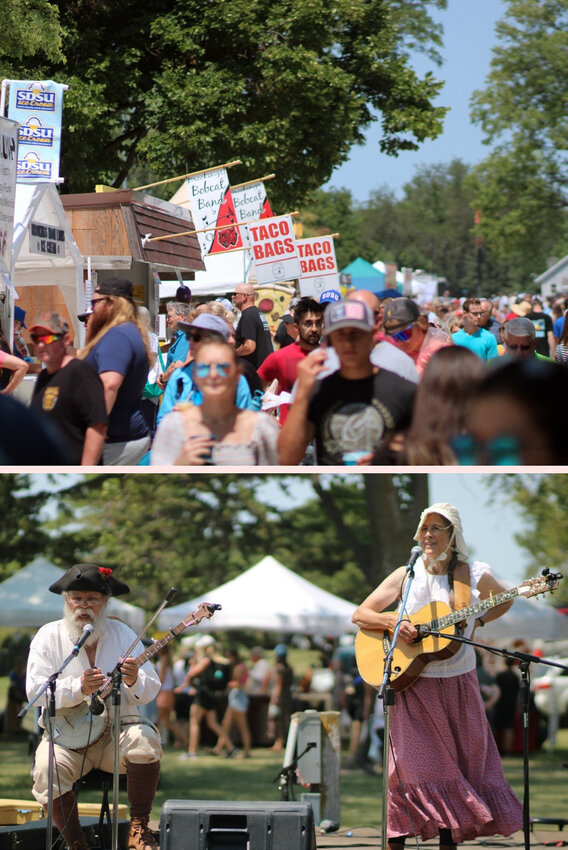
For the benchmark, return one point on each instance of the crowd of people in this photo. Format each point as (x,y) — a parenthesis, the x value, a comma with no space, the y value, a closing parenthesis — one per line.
(371,379)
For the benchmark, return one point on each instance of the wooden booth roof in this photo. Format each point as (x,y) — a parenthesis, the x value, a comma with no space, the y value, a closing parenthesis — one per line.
(115,223)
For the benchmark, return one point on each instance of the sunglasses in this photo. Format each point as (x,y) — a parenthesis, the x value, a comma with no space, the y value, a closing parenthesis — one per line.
(402,336)
(47,339)
(517,347)
(96,300)
(196,336)
(202,370)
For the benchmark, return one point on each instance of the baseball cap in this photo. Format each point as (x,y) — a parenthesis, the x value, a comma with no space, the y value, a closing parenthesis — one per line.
(348,314)
(183,294)
(388,293)
(207,322)
(399,313)
(120,286)
(522,309)
(53,323)
(84,316)
(20,315)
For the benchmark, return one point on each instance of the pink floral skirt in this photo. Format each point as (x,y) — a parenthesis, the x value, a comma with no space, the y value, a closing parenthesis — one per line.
(444,768)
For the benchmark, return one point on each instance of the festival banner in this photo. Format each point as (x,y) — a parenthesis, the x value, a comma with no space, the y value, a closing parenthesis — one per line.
(8,166)
(274,249)
(319,268)
(251,202)
(38,107)
(212,207)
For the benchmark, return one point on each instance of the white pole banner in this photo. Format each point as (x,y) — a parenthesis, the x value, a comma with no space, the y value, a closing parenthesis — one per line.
(38,107)
(319,268)
(8,166)
(251,203)
(274,249)
(212,207)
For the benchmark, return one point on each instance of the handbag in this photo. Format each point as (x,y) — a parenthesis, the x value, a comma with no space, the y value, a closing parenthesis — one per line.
(154,390)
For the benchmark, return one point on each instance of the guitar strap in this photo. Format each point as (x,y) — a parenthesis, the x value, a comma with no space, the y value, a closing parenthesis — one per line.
(462,586)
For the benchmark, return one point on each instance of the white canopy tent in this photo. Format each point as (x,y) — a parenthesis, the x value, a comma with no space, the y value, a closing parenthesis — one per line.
(531,618)
(26,601)
(270,597)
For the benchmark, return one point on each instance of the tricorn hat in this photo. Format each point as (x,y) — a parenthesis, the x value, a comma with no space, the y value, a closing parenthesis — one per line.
(90,577)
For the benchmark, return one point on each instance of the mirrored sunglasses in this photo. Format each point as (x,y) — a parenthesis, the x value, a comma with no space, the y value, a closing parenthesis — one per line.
(402,336)
(203,369)
(47,339)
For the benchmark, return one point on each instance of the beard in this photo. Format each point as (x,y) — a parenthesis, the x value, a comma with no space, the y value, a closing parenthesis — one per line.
(75,619)
(96,322)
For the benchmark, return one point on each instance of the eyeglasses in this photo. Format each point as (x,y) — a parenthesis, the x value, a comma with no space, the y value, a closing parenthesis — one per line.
(517,347)
(84,601)
(238,295)
(433,529)
(401,336)
(203,369)
(96,300)
(47,339)
(475,315)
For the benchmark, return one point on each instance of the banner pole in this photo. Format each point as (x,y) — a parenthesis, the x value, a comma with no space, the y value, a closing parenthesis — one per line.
(184,176)
(208,229)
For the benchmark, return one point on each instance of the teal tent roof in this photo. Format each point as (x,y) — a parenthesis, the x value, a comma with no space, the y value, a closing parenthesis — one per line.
(364,275)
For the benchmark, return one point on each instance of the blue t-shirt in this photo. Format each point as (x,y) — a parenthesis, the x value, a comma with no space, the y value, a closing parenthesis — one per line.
(558,327)
(178,350)
(122,350)
(481,343)
(180,387)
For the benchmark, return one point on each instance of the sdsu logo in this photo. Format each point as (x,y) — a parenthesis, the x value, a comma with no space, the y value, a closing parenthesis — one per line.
(50,397)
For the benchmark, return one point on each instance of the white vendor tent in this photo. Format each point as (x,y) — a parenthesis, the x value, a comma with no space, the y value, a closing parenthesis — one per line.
(26,601)
(40,203)
(270,597)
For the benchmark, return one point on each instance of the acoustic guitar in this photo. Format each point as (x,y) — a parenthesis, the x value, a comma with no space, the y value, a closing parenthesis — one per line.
(410,659)
(78,727)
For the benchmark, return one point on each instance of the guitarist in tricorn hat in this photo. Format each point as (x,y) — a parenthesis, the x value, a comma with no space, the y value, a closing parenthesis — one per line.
(83,740)
(445,773)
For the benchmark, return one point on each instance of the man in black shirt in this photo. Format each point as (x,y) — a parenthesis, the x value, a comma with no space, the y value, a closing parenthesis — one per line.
(252,331)
(68,392)
(354,412)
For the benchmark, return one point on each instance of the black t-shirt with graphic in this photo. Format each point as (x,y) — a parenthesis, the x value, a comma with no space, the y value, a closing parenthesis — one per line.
(356,415)
(73,400)
(253,325)
(543,326)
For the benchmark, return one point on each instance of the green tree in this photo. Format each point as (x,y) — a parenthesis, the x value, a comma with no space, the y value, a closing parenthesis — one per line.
(521,187)
(22,532)
(543,500)
(196,532)
(29,28)
(284,86)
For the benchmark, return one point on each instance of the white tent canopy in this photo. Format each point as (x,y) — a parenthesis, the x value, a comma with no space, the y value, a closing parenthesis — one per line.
(270,597)
(27,602)
(527,618)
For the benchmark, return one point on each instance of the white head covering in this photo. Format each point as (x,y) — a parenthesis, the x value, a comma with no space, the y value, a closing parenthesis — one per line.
(451,514)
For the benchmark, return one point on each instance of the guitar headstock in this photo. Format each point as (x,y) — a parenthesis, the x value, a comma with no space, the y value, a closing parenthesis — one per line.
(544,583)
(204,611)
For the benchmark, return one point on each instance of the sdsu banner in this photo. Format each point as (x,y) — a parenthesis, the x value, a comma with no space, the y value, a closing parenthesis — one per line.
(319,267)
(274,249)
(212,206)
(38,109)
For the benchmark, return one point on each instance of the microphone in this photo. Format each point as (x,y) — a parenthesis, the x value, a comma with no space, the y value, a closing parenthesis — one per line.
(87,632)
(415,553)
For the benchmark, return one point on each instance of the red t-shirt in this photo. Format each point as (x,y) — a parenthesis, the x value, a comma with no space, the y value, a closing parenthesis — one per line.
(282,365)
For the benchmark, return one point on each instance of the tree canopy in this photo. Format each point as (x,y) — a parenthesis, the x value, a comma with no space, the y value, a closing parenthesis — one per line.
(283,86)
(522,186)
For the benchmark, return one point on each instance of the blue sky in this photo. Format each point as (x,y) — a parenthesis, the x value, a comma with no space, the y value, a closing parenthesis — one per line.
(468,41)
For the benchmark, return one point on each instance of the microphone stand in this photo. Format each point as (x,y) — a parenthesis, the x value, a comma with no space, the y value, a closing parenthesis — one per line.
(49,727)
(525,660)
(387,693)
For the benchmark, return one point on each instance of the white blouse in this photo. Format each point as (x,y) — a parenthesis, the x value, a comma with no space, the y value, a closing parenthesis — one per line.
(435,588)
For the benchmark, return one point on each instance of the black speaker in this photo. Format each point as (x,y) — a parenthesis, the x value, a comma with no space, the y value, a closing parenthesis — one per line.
(222,825)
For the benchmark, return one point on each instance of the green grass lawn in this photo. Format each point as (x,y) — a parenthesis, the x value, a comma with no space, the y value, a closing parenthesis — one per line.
(209,778)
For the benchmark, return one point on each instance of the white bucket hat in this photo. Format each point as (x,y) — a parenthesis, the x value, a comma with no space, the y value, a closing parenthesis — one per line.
(450,513)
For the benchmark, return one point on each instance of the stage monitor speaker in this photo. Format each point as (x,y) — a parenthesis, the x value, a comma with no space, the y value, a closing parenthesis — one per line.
(222,825)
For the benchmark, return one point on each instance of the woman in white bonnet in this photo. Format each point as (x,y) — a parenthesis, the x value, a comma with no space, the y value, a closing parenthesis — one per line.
(445,773)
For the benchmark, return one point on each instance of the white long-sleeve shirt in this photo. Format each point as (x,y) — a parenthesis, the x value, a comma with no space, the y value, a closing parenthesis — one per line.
(51,646)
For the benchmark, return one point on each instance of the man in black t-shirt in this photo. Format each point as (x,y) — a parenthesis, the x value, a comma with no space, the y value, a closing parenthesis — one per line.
(252,332)
(68,392)
(354,412)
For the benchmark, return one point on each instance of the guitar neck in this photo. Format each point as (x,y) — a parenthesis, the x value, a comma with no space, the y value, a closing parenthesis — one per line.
(149,653)
(463,613)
